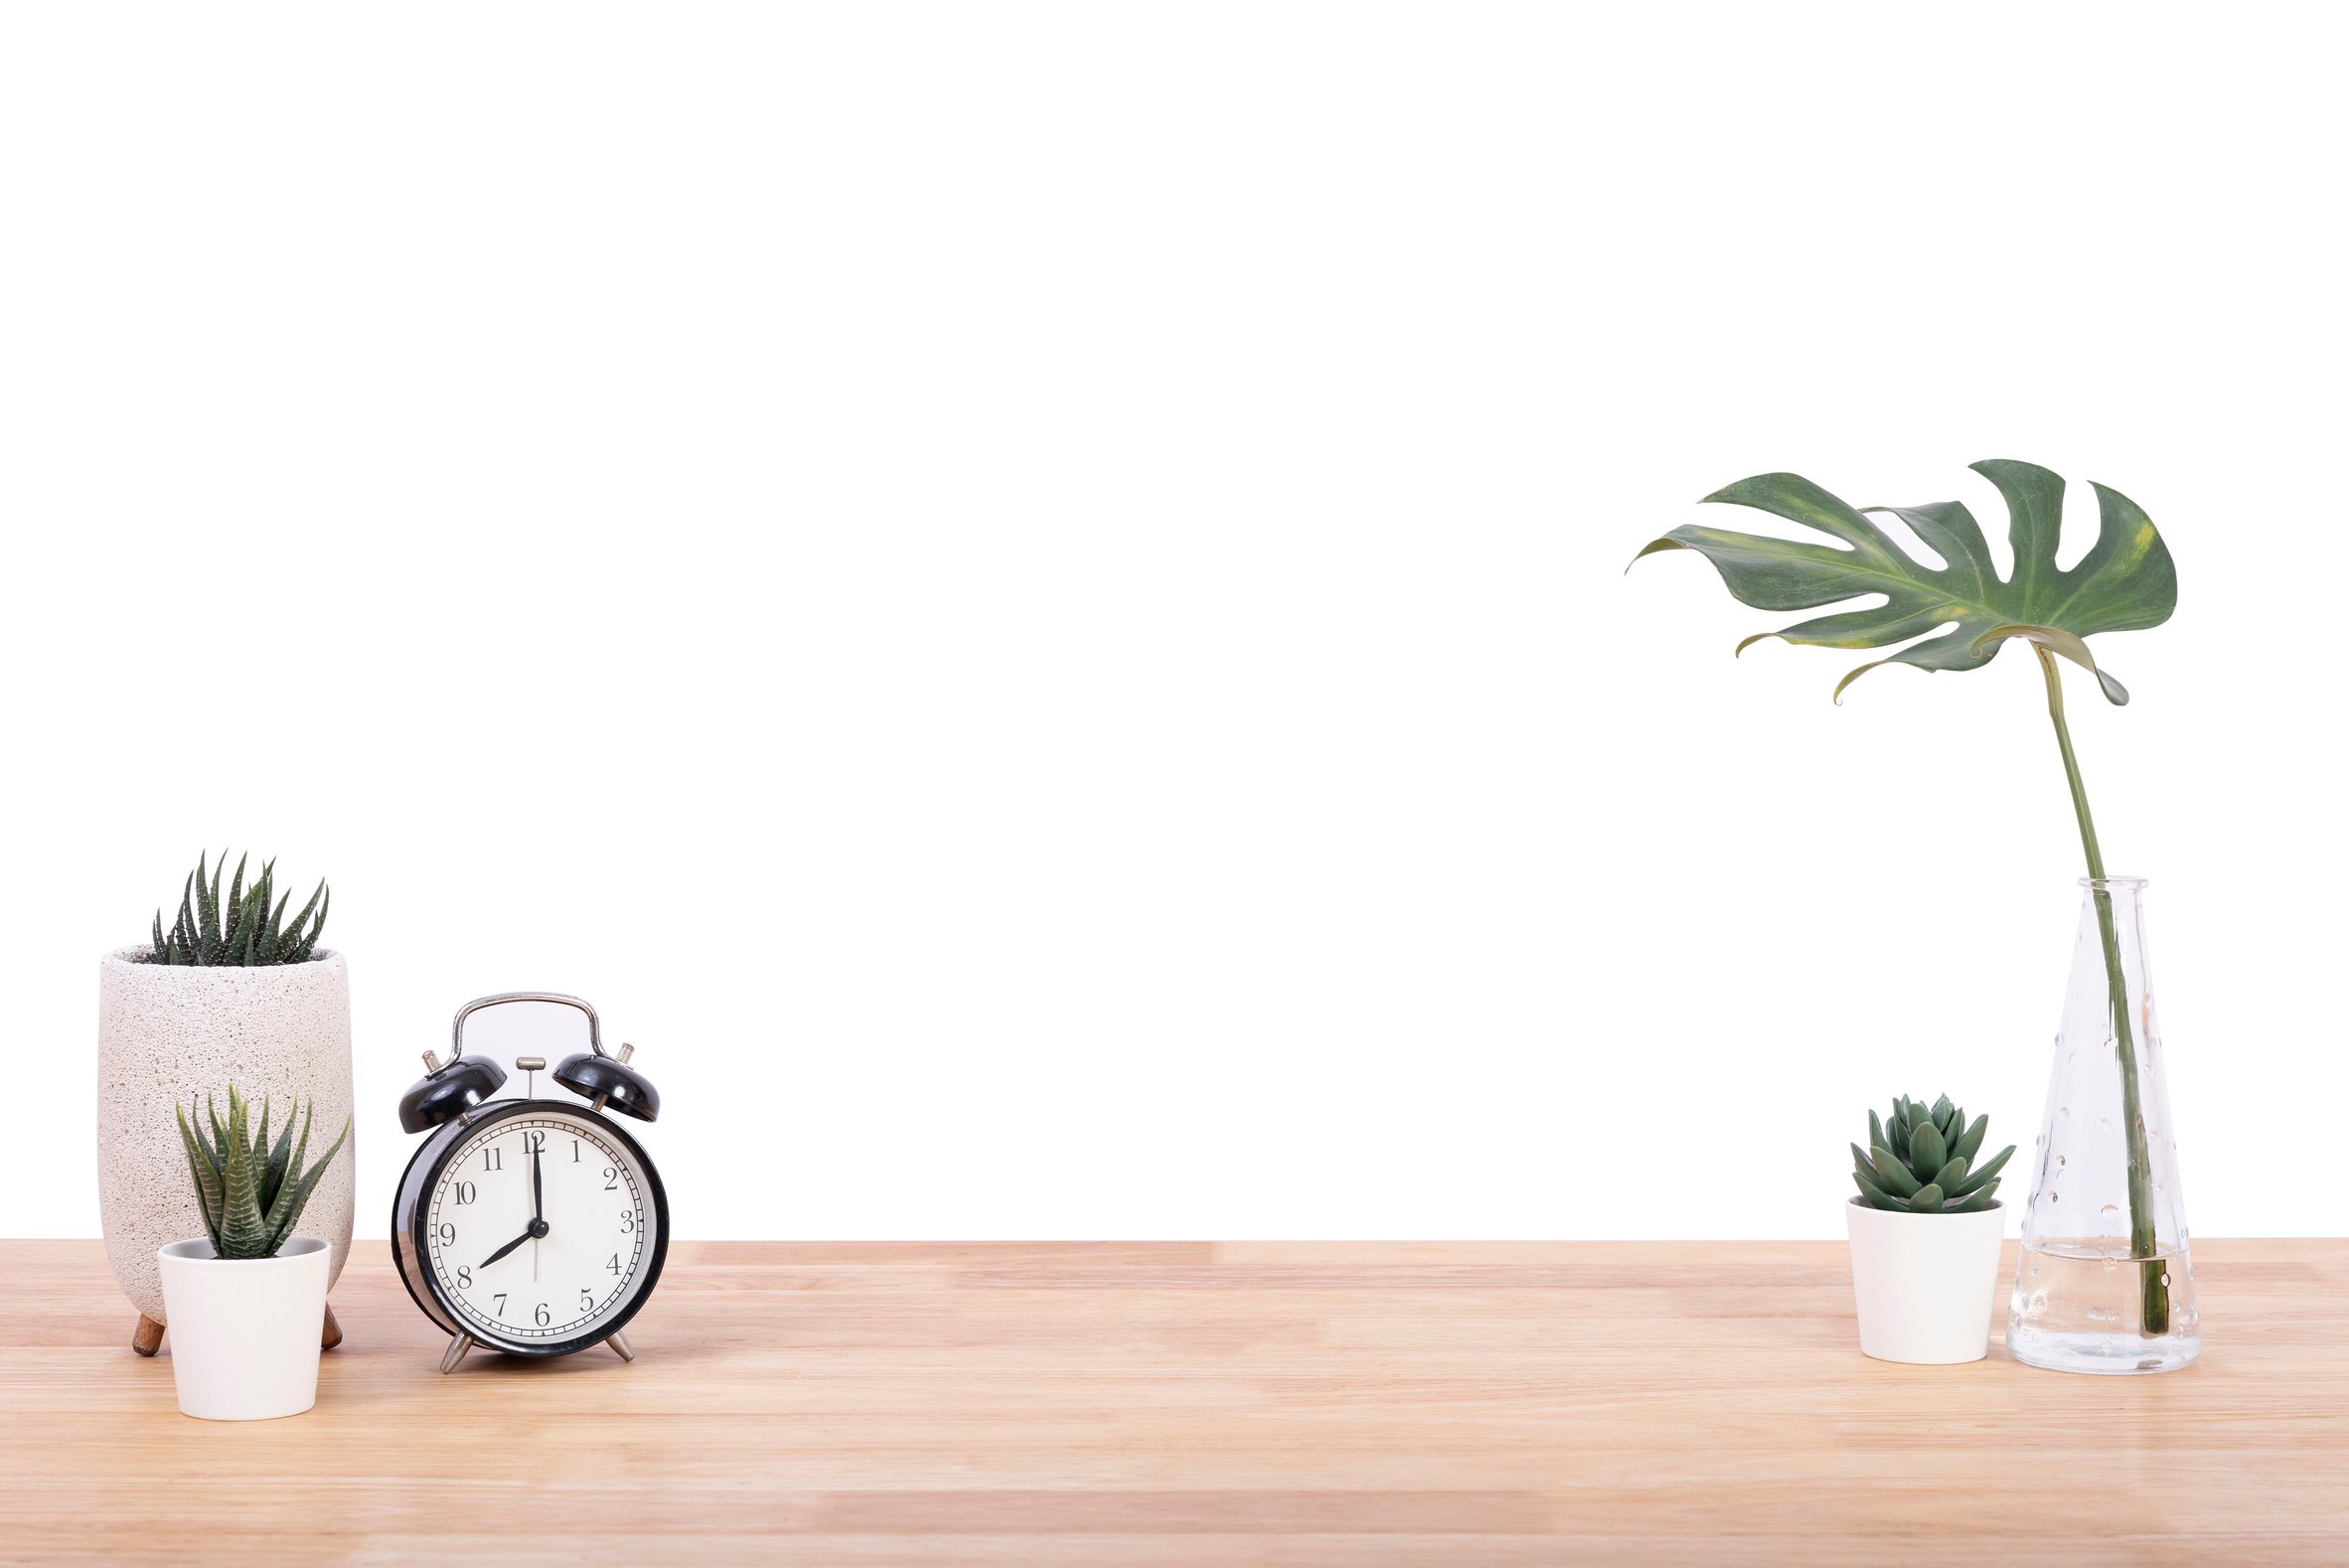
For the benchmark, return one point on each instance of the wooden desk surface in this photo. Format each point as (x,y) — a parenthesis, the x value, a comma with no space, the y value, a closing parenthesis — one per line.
(1347,1404)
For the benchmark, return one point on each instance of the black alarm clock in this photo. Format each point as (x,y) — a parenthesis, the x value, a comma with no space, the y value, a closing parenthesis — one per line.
(535,1228)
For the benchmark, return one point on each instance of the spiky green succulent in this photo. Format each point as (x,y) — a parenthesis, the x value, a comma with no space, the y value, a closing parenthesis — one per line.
(1923,1159)
(247,929)
(251,1192)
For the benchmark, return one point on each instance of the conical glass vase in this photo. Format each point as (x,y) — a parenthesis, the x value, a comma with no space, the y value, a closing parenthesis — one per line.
(2104,1283)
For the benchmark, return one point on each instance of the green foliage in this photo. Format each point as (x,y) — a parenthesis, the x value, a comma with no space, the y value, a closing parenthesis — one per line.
(1922,1160)
(2126,580)
(247,929)
(251,1192)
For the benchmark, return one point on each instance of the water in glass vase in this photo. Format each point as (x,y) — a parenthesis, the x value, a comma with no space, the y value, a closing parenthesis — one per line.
(2077,1308)
(2105,1283)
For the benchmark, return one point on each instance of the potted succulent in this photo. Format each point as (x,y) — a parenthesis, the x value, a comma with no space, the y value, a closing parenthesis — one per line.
(234,989)
(1925,1234)
(246,1297)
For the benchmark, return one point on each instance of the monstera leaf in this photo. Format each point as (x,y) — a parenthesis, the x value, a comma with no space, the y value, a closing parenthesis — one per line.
(2126,583)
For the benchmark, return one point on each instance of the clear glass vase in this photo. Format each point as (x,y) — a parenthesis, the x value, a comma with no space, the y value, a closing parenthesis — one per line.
(2104,1283)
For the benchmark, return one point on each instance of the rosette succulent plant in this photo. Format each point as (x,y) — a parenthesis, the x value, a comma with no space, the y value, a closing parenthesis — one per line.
(1923,1159)
(250,1193)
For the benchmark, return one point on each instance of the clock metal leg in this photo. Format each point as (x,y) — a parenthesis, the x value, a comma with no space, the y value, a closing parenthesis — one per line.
(147,1337)
(330,1333)
(620,1343)
(456,1352)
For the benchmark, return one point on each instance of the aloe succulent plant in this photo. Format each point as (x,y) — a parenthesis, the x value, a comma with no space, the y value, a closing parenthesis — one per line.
(1923,1159)
(247,929)
(251,1192)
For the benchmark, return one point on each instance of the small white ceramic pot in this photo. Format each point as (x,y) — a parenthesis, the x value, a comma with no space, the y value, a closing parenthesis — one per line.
(245,1331)
(1925,1283)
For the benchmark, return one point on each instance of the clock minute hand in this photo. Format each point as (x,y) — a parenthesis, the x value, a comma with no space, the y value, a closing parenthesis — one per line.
(538,1189)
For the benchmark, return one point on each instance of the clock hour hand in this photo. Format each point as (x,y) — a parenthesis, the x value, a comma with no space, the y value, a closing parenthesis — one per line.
(508,1247)
(537,1228)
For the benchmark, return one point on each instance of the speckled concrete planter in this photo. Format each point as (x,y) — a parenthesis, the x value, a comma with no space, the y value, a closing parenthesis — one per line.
(164,1032)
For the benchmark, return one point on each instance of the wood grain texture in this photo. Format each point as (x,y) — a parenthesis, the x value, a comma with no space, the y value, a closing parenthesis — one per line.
(1278,1403)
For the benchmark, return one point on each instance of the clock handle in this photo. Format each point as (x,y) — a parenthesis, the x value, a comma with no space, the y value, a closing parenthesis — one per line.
(595,1025)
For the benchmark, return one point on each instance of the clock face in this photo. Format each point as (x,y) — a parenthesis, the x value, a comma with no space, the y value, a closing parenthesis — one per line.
(540,1229)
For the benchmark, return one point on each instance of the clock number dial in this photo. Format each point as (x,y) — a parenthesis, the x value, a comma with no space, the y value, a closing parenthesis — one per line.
(520,1247)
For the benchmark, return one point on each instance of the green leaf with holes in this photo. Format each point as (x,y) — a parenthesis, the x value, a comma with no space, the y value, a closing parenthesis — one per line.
(2126,583)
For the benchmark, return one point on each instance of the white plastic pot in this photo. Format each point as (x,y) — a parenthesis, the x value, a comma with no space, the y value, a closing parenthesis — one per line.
(245,1331)
(1925,1283)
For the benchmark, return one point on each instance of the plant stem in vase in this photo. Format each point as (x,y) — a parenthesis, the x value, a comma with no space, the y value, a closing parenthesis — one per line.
(2153,1272)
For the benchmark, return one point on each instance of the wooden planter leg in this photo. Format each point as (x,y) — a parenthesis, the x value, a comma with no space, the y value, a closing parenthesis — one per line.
(331,1334)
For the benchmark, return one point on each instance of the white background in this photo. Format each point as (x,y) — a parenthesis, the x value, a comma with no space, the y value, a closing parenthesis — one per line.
(1030,599)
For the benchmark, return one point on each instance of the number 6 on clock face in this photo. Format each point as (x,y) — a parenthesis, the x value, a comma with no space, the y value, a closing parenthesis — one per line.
(538,1226)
